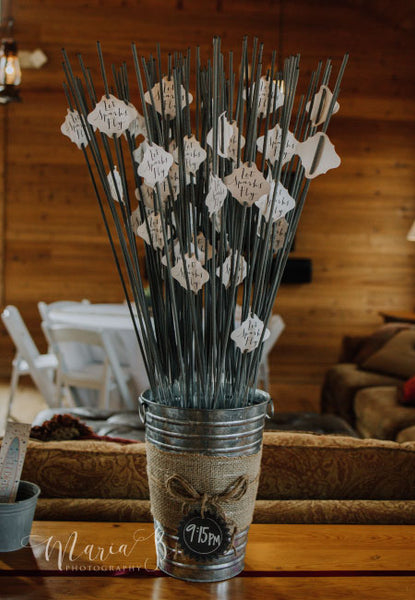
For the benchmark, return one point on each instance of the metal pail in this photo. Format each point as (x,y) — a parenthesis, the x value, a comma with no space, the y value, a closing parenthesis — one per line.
(215,433)
(16,518)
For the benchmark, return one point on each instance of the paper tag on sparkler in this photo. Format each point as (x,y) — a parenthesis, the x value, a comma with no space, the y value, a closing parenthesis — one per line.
(283,203)
(115,185)
(156,230)
(139,152)
(135,219)
(321,105)
(216,195)
(263,95)
(273,146)
(205,249)
(138,126)
(279,234)
(72,127)
(197,275)
(112,116)
(227,269)
(248,334)
(247,184)
(317,155)
(169,99)
(194,154)
(224,135)
(233,143)
(155,165)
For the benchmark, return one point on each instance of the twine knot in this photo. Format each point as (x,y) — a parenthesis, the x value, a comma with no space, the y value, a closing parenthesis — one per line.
(180,489)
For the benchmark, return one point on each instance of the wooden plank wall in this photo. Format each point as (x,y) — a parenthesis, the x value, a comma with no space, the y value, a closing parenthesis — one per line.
(356,218)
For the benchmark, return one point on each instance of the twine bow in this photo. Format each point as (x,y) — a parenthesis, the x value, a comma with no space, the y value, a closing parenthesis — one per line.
(183,491)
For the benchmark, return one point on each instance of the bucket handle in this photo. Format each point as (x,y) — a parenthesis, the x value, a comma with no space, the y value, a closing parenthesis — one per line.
(270,409)
(142,409)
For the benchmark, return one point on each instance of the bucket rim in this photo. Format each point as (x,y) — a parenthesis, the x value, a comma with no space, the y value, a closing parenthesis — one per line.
(36,491)
(266,400)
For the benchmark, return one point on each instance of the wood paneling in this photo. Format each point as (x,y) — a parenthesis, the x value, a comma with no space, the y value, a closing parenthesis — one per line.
(355,220)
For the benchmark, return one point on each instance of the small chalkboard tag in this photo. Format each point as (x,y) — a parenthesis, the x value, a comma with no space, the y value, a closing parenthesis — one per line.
(204,538)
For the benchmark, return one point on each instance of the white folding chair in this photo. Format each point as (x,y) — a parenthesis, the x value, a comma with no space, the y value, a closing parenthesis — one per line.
(28,360)
(276,327)
(81,369)
(44,309)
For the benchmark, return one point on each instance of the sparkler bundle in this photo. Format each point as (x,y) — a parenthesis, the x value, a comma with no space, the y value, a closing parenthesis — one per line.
(201,174)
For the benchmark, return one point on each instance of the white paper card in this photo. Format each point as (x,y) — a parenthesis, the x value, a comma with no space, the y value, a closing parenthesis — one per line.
(317,155)
(263,95)
(233,143)
(273,146)
(115,185)
(227,269)
(280,231)
(225,132)
(321,105)
(169,98)
(197,275)
(138,126)
(155,165)
(72,127)
(283,203)
(135,219)
(248,334)
(112,116)
(216,195)
(156,230)
(247,184)
(194,154)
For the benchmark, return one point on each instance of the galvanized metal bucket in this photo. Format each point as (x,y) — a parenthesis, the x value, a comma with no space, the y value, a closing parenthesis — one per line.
(16,518)
(235,432)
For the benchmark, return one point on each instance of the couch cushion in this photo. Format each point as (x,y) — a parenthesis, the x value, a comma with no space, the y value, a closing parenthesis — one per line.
(294,466)
(341,384)
(406,435)
(379,414)
(396,357)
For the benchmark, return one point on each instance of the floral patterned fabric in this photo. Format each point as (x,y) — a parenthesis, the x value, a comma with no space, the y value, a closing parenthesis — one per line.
(304,478)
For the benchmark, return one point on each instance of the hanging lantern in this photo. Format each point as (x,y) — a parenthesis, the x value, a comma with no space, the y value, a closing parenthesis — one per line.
(10,73)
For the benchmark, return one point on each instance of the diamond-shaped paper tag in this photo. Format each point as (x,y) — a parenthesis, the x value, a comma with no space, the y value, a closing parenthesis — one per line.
(247,184)
(233,143)
(72,127)
(321,105)
(115,185)
(283,203)
(156,230)
(112,116)
(248,334)
(227,269)
(197,275)
(225,132)
(138,126)
(263,95)
(280,232)
(273,147)
(135,219)
(317,155)
(155,165)
(147,193)
(169,98)
(216,195)
(194,154)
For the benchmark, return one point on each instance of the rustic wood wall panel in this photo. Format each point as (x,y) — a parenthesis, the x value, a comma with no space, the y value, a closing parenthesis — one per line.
(356,218)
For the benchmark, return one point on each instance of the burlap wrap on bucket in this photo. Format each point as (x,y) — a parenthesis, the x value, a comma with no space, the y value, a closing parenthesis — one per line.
(211,479)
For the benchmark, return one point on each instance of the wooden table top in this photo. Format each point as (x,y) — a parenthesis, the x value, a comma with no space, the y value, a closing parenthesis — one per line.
(88,561)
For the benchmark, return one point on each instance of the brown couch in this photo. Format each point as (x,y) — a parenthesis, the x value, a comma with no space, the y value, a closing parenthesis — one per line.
(305,478)
(366,386)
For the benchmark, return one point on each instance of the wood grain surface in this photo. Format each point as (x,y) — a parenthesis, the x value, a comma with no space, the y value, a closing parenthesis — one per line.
(355,222)
(286,561)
